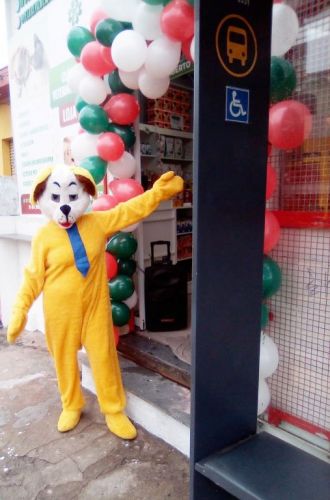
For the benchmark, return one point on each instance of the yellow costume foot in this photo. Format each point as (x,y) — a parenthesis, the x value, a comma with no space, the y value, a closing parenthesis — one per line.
(120,425)
(68,420)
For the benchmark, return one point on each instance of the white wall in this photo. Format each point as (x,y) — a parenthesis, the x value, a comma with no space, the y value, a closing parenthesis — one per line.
(15,246)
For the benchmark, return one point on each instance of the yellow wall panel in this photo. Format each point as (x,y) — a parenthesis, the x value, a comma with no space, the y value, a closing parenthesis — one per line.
(5,136)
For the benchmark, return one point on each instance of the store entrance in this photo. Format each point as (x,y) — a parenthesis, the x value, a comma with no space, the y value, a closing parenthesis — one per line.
(161,340)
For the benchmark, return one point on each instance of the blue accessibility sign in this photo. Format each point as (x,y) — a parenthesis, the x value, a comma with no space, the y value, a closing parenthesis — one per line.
(237,105)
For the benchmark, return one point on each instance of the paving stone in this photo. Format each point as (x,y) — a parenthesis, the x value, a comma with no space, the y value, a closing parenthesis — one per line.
(135,480)
(58,450)
(37,462)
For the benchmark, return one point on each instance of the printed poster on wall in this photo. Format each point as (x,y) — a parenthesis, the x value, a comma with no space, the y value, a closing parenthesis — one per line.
(42,105)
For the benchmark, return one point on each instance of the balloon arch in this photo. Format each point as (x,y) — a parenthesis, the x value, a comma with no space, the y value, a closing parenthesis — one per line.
(135,45)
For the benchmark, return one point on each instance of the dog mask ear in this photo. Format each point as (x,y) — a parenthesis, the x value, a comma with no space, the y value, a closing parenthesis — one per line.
(39,185)
(86,179)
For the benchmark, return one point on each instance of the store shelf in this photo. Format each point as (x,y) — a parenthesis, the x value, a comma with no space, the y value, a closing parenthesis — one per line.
(152,129)
(166,158)
(171,158)
(162,149)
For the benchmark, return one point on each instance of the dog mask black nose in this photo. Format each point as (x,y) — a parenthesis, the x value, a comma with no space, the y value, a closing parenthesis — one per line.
(66,209)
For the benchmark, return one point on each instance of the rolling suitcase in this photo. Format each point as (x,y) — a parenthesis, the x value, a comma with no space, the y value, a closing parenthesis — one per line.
(166,294)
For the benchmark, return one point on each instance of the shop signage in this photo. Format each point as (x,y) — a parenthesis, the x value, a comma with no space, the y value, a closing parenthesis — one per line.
(237,105)
(30,12)
(184,67)
(236,45)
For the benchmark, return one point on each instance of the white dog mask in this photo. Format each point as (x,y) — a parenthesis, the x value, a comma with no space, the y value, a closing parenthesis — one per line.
(63,193)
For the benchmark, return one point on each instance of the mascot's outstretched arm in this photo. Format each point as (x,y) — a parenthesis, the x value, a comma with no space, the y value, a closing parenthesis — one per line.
(138,208)
(34,275)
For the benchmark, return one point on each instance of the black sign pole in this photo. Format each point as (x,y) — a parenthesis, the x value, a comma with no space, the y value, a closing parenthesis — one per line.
(230,140)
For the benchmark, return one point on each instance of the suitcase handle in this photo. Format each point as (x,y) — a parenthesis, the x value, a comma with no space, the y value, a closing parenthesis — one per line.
(160,242)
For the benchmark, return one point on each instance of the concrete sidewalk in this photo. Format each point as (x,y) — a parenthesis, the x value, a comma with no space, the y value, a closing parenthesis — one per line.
(37,462)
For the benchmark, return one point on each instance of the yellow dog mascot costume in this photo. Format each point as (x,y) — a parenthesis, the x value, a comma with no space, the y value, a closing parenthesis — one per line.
(68,265)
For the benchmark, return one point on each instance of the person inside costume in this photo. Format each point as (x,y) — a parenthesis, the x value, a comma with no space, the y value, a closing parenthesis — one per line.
(68,265)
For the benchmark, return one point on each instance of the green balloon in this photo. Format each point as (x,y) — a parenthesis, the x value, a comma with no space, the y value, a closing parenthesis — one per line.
(107,30)
(80,104)
(191,2)
(126,266)
(153,2)
(93,119)
(271,277)
(122,245)
(165,2)
(282,79)
(264,316)
(120,287)
(116,85)
(95,166)
(127,25)
(125,132)
(77,39)
(120,313)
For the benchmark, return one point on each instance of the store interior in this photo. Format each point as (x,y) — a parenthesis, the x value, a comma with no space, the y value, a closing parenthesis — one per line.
(165,142)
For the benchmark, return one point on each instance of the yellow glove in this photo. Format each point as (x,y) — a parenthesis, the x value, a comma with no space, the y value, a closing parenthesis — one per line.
(168,185)
(16,325)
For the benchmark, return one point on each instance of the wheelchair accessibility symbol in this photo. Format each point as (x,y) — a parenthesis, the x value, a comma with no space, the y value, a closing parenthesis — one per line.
(237,105)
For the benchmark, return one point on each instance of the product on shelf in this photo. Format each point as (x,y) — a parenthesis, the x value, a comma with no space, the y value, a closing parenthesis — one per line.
(184,246)
(172,110)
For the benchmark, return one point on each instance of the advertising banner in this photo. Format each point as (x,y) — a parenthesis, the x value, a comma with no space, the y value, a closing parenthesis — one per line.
(42,105)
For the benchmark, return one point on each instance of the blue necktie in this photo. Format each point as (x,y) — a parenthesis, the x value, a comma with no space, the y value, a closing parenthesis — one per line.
(79,250)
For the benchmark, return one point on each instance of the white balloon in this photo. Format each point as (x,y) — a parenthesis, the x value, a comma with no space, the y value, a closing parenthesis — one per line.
(131,301)
(263,396)
(75,75)
(151,87)
(130,79)
(285,27)
(163,56)
(129,50)
(192,48)
(121,10)
(92,89)
(106,83)
(147,20)
(124,168)
(84,145)
(268,362)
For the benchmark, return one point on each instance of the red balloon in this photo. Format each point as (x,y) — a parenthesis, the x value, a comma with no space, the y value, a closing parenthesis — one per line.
(271,181)
(92,60)
(106,55)
(111,265)
(116,334)
(110,146)
(269,149)
(125,189)
(122,109)
(177,20)
(97,16)
(272,232)
(186,49)
(104,202)
(290,123)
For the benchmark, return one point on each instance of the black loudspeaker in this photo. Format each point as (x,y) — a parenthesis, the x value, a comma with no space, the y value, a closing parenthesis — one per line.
(166,296)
